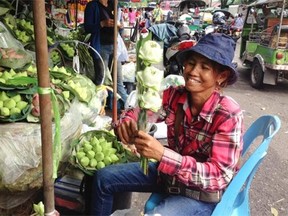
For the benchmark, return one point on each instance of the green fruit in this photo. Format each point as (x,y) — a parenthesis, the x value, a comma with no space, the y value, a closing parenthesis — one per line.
(21,104)
(15,110)
(80,154)
(9,103)
(99,156)
(90,154)
(100,165)
(4,111)
(93,162)
(84,161)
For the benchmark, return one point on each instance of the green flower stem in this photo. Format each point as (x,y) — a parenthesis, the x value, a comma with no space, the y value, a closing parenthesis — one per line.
(142,125)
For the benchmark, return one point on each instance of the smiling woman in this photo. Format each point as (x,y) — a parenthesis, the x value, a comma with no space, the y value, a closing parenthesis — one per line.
(204,135)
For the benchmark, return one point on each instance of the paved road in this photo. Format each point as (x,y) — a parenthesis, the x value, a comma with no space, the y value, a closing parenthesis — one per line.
(269,187)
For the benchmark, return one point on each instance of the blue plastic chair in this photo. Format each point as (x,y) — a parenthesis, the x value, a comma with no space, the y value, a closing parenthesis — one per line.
(235,200)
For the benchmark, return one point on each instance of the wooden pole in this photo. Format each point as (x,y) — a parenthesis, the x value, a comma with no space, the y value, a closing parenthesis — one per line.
(45,103)
(115,60)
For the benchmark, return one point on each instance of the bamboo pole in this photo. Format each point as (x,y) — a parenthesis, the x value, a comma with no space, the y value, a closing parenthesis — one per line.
(115,60)
(45,103)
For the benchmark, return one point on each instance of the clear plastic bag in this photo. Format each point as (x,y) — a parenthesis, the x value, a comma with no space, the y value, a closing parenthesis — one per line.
(20,145)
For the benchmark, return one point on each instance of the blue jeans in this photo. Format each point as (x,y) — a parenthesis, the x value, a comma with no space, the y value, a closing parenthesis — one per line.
(107,54)
(129,177)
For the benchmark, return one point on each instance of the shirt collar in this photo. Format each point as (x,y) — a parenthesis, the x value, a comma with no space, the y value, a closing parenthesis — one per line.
(208,109)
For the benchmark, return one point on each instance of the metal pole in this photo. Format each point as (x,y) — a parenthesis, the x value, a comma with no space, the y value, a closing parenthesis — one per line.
(280,24)
(45,103)
(115,60)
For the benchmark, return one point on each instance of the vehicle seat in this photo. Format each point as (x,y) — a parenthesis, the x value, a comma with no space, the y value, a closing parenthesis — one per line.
(283,38)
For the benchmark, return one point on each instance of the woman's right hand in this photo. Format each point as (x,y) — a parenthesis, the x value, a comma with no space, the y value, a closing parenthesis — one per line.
(107,23)
(127,131)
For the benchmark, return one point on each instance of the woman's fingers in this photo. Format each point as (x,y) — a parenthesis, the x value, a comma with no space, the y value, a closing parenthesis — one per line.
(127,132)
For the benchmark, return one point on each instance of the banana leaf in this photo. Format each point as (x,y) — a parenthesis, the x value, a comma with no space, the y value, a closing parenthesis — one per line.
(18,83)
(3,10)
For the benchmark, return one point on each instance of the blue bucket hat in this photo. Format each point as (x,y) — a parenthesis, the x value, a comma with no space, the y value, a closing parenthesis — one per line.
(217,47)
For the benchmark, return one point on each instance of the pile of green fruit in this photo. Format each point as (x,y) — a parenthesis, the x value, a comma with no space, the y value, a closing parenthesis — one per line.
(97,149)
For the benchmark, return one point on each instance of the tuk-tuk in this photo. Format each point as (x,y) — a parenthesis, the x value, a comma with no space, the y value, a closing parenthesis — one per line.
(264,44)
(192,9)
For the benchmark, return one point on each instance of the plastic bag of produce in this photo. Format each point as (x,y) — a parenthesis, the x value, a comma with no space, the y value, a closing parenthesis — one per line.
(20,147)
(7,40)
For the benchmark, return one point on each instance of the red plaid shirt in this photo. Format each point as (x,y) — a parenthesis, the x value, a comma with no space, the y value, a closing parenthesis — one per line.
(215,135)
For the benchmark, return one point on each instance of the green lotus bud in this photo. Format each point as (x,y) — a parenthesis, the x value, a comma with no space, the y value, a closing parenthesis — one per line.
(4,111)
(107,160)
(2,80)
(9,103)
(87,147)
(114,158)
(84,161)
(102,139)
(80,154)
(1,104)
(99,156)
(93,162)
(12,72)
(94,141)
(6,75)
(17,98)
(14,111)
(100,165)
(21,104)
(66,94)
(97,148)
(3,96)
(90,154)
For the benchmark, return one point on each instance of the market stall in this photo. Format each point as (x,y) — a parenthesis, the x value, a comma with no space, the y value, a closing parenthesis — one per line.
(46,99)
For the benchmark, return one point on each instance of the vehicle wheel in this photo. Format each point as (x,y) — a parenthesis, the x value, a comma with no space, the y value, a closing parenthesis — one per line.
(257,74)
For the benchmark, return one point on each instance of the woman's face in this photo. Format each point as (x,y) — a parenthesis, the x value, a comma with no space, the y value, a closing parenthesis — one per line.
(200,75)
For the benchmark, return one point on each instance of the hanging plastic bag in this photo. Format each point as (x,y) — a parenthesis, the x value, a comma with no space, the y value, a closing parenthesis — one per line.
(122,52)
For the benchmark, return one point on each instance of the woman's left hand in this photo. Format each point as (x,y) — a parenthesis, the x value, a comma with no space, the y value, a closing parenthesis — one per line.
(148,146)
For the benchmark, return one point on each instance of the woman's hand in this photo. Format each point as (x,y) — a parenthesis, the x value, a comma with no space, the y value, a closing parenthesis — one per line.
(107,23)
(127,131)
(148,146)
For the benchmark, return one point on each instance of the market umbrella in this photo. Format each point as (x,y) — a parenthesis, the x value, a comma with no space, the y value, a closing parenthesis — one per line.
(45,104)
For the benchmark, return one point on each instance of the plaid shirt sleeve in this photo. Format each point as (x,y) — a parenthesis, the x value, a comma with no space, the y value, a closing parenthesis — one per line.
(224,151)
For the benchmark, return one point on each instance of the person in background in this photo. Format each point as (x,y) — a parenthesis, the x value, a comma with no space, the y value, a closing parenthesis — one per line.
(157,14)
(237,23)
(204,135)
(132,16)
(99,22)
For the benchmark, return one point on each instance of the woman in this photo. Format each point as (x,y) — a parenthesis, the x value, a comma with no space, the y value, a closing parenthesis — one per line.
(99,22)
(205,131)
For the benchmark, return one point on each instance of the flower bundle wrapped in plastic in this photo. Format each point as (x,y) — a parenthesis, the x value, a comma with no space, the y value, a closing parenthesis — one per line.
(149,80)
